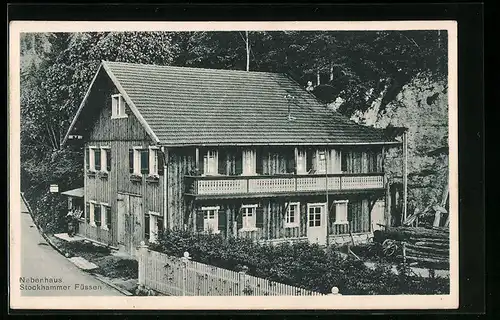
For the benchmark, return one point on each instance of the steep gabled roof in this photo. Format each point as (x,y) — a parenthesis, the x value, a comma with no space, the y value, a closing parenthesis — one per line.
(194,106)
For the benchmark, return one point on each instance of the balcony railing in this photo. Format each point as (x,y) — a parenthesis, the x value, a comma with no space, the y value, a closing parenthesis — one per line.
(261,185)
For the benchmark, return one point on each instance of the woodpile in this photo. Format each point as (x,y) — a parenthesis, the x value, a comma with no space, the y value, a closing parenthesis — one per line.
(429,247)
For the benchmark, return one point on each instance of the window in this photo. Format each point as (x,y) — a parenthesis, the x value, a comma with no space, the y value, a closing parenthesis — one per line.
(139,160)
(97,159)
(301,162)
(118,106)
(315,215)
(343,161)
(105,216)
(153,161)
(249,162)
(97,215)
(211,219)
(144,160)
(321,161)
(210,163)
(153,224)
(105,163)
(292,215)
(341,211)
(248,214)
(91,161)
(91,213)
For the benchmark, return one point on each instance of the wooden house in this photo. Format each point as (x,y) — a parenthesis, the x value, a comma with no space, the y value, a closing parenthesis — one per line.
(243,154)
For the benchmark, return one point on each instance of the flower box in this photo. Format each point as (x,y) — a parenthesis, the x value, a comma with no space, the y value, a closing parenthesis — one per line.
(102,174)
(135,178)
(153,178)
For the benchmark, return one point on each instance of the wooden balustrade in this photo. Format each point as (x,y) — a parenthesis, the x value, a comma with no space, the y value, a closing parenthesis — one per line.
(237,185)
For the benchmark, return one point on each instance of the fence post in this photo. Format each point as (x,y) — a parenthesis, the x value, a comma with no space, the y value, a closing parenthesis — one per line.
(184,260)
(335,292)
(242,280)
(404,256)
(142,263)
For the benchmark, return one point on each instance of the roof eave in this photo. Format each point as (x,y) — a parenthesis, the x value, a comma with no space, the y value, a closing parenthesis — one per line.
(242,144)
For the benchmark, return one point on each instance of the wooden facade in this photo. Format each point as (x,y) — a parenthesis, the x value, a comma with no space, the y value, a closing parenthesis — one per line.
(353,173)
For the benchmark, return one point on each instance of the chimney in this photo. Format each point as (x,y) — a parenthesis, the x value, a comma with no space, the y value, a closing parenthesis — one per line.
(310,86)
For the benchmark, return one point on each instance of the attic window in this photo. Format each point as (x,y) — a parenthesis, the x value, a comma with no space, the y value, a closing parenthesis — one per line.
(118,106)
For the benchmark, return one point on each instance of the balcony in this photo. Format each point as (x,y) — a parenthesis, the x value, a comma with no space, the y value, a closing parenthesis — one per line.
(262,186)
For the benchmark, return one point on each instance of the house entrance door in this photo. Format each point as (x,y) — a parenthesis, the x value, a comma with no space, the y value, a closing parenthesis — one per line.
(130,222)
(316,223)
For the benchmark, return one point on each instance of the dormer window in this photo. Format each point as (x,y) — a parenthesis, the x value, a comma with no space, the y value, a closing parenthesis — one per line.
(118,106)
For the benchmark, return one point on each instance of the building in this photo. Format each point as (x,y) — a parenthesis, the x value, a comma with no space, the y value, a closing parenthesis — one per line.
(243,154)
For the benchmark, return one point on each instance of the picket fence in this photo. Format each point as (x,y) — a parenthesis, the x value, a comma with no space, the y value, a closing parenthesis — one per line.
(174,276)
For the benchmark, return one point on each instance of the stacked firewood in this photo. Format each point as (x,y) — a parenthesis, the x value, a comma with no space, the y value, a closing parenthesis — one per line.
(425,246)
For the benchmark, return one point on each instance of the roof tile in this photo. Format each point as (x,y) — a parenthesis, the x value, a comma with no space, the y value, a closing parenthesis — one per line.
(209,106)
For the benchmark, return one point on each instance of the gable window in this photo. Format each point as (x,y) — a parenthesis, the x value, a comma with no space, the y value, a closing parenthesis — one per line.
(249,162)
(210,162)
(301,162)
(153,224)
(341,211)
(118,106)
(249,216)
(292,215)
(211,219)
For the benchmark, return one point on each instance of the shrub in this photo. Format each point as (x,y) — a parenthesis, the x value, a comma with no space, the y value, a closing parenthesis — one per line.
(302,265)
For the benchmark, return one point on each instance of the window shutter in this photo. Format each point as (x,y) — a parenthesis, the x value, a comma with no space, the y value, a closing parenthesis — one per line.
(222,222)
(160,162)
(221,165)
(259,217)
(309,158)
(201,161)
(87,158)
(259,166)
(114,106)
(290,162)
(87,212)
(108,217)
(145,161)
(97,159)
(131,160)
(97,215)
(238,163)
(159,226)
(199,220)
(344,160)
(239,219)
(108,160)
(147,230)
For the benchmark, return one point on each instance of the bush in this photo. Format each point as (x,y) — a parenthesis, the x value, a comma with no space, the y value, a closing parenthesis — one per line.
(48,211)
(302,265)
